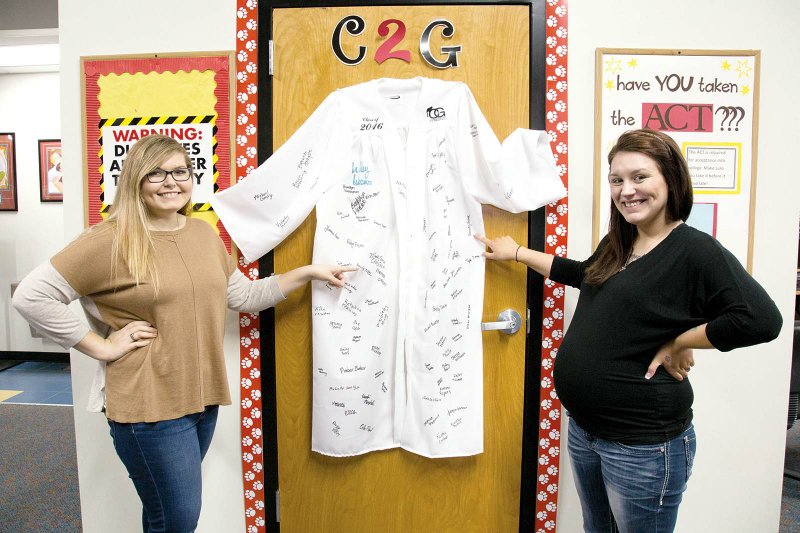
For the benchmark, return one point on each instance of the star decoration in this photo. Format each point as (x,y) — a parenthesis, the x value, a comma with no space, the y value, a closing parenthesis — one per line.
(726,65)
(609,84)
(745,89)
(743,68)
(613,65)
(633,63)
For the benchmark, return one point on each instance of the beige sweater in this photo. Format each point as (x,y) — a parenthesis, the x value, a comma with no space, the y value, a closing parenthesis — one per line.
(183,369)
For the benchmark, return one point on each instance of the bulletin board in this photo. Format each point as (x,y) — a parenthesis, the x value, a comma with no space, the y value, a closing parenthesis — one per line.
(707,101)
(184,96)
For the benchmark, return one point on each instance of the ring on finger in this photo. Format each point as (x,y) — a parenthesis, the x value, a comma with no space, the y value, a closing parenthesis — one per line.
(132,337)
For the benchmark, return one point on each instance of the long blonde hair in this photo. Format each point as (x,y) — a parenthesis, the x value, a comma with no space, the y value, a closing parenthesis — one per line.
(133,240)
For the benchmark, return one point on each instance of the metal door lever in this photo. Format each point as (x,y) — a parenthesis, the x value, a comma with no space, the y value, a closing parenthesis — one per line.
(509,322)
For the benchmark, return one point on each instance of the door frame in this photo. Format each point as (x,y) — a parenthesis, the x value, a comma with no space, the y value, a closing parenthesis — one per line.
(536,240)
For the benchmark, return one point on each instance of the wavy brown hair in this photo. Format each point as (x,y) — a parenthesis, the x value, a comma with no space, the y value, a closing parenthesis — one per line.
(662,149)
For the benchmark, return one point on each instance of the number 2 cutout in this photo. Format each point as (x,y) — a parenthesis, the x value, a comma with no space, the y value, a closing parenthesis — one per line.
(385,52)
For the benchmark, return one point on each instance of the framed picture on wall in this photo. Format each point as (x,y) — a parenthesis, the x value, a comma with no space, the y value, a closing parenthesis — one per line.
(8,173)
(51,185)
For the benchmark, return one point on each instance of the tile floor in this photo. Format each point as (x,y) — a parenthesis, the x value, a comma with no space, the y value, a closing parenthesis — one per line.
(36,383)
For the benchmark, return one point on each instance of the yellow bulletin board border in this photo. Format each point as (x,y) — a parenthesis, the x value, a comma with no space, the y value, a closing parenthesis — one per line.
(599,156)
(737,146)
(221,63)
(157,122)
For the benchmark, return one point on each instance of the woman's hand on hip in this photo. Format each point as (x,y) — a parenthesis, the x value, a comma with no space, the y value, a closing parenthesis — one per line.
(675,359)
(133,335)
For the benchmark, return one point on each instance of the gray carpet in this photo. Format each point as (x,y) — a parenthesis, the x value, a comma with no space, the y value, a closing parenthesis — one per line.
(38,470)
(790,506)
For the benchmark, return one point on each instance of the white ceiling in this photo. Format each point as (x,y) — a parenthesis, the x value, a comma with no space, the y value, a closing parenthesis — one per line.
(29,14)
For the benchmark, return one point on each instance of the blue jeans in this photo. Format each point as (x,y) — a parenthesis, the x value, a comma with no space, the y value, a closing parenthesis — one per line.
(630,488)
(163,460)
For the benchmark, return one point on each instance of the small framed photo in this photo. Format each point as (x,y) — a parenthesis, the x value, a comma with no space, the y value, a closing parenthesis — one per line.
(51,185)
(8,173)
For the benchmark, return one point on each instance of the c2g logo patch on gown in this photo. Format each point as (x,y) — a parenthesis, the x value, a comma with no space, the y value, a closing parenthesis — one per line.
(397,171)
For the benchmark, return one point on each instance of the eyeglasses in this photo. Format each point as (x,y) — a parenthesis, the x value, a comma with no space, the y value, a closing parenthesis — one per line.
(178,174)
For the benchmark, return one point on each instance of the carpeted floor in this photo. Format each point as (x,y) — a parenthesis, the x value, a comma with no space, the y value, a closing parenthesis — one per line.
(790,505)
(38,470)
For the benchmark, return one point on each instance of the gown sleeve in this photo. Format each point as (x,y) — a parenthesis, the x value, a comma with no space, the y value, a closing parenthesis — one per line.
(518,175)
(265,207)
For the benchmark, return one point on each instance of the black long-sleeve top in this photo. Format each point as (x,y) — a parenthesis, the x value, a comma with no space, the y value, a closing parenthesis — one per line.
(687,280)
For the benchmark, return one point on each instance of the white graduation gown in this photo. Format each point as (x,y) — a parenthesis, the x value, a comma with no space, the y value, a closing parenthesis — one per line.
(397,171)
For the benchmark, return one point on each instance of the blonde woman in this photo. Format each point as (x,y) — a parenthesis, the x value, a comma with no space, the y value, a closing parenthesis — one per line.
(155,285)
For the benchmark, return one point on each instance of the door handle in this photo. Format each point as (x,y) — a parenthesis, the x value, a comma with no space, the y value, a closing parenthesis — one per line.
(508,322)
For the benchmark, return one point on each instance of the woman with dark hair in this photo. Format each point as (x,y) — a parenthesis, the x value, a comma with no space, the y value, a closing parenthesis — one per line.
(155,283)
(654,290)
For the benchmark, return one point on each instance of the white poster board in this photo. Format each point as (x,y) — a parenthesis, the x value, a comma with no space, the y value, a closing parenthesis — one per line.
(708,102)
(196,138)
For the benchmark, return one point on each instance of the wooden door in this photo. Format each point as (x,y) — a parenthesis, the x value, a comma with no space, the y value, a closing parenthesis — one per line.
(394,490)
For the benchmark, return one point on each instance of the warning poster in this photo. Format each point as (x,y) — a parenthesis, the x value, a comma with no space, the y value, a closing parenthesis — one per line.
(196,135)
(184,97)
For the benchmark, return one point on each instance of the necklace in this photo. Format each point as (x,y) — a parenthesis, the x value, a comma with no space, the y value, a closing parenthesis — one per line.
(633,256)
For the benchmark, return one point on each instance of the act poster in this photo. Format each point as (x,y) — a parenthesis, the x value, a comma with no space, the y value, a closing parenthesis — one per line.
(708,102)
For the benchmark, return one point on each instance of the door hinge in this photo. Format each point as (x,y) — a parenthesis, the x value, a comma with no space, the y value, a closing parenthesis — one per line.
(527,319)
(271,57)
(278,506)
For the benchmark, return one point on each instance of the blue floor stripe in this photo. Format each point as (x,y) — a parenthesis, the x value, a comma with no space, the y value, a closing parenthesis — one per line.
(41,383)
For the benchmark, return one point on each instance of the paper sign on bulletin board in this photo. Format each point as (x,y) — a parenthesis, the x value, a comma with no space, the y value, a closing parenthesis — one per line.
(708,102)
(186,97)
